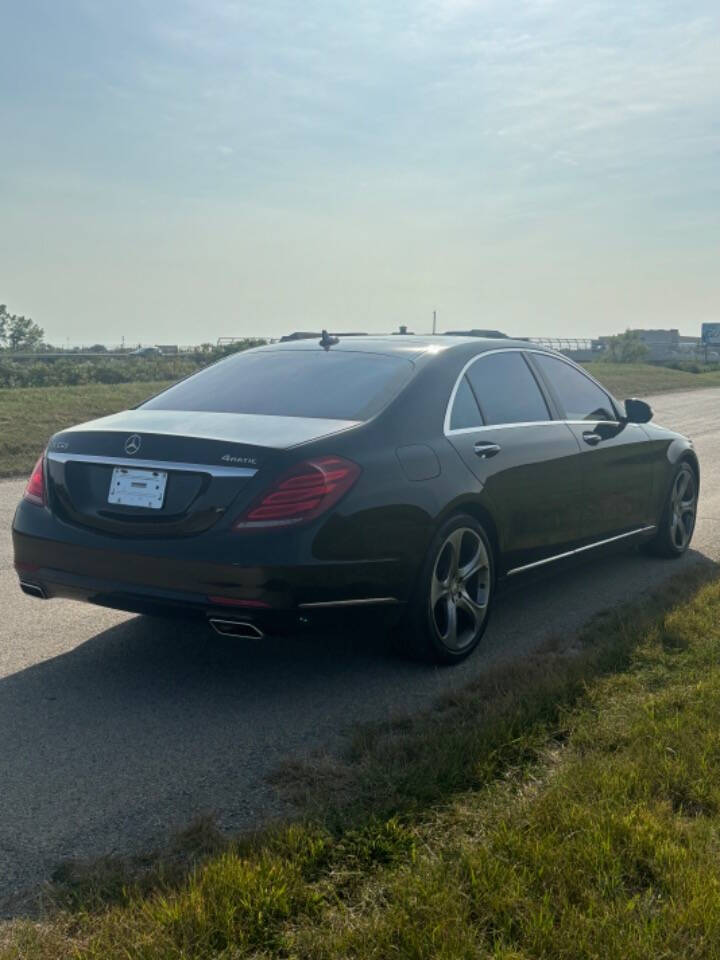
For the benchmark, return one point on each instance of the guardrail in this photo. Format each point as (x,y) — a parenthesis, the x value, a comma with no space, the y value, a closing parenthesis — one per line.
(568,343)
(63,355)
(80,355)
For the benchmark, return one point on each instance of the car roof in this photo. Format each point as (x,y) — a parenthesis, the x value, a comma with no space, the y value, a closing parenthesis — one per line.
(413,346)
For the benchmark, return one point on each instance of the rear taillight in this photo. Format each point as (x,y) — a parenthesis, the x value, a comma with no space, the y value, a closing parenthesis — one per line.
(35,489)
(300,495)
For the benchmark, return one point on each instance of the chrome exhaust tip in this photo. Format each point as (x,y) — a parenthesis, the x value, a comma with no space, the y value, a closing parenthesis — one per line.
(236,628)
(33,590)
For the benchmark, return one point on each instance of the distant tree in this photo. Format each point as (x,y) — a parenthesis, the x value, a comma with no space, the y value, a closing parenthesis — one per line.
(19,333)
(626,347)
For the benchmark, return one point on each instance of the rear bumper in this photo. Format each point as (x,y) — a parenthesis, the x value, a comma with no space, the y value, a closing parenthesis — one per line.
(47,584)
(181,579)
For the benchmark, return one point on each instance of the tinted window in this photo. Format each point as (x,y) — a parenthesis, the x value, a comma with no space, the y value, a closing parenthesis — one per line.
(465,411)
(580,397)
(292,383)
(506,389)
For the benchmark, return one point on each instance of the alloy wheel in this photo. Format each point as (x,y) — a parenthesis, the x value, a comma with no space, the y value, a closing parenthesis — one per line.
(460,589)
(683,505)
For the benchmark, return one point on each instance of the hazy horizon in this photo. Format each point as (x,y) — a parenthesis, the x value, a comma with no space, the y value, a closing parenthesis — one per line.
(176,172)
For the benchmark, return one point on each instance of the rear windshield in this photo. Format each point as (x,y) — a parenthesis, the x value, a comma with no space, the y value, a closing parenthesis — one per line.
(333,384)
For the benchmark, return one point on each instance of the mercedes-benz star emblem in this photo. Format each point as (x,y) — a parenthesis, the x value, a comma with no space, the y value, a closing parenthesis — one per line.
(132,444)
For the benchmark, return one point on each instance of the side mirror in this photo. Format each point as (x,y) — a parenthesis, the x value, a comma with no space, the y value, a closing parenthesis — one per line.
(637,411)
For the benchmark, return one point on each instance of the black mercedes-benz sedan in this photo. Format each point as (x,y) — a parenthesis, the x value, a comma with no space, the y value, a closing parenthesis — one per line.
(402,475)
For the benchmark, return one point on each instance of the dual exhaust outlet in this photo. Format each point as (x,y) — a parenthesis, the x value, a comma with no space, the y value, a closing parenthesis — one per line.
(240,629)
(33,589)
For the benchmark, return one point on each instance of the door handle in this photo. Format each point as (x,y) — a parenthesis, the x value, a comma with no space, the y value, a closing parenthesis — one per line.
(485,450)
(593,439)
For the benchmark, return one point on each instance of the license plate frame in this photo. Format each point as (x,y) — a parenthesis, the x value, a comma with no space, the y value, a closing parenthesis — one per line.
(138,487)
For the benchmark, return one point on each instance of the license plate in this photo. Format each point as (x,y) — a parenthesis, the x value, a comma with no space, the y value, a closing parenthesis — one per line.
(138,488)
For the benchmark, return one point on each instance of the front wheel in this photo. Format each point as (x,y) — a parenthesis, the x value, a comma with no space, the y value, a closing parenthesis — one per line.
(449,611)
(678,519)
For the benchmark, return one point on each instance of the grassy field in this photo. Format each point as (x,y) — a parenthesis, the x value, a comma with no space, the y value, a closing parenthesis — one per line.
(29,416)
(642,379)
(566,808)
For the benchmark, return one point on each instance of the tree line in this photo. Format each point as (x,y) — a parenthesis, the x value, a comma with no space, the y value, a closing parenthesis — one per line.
(18,332)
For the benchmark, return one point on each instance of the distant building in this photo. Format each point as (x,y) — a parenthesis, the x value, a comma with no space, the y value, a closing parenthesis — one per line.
(664,344)
(660,344)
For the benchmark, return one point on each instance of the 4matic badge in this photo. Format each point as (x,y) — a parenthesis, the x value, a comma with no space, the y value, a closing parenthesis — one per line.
(228,458)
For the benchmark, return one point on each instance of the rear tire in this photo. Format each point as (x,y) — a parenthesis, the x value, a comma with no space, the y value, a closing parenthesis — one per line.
(449,611)
(677,522)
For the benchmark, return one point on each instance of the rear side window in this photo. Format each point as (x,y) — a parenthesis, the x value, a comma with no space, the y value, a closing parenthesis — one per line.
(333,384)
(506,389)
(465,411)
(580,397)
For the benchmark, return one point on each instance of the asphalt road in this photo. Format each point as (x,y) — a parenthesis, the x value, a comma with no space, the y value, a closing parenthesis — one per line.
(116,729)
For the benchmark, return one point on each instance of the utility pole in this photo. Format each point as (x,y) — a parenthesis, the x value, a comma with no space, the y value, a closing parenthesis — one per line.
(434,321)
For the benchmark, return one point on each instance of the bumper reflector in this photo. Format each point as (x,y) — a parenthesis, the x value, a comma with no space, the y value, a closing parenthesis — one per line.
(233,602)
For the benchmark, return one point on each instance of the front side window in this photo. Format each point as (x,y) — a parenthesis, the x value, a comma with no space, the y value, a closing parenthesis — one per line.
(580,397)
(506,389)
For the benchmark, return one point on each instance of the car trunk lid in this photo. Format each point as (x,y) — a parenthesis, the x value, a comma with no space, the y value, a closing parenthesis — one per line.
(201,464)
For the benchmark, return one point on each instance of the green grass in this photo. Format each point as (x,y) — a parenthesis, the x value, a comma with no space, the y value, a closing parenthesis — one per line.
(643,379)
(29,416)
(567,807)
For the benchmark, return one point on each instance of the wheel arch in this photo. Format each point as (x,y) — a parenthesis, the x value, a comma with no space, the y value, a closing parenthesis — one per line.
(483,515)
(681,449)
(689,456)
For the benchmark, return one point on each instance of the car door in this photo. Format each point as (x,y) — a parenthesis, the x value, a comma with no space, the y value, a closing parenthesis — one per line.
(617,458)
(500,422)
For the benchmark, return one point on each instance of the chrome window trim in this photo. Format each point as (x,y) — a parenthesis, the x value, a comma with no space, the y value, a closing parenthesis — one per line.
(531,423)
(584,423)
(215,470)
(504,426)
(572,553)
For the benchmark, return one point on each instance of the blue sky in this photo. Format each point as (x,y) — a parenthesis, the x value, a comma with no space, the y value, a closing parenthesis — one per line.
(181,171)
